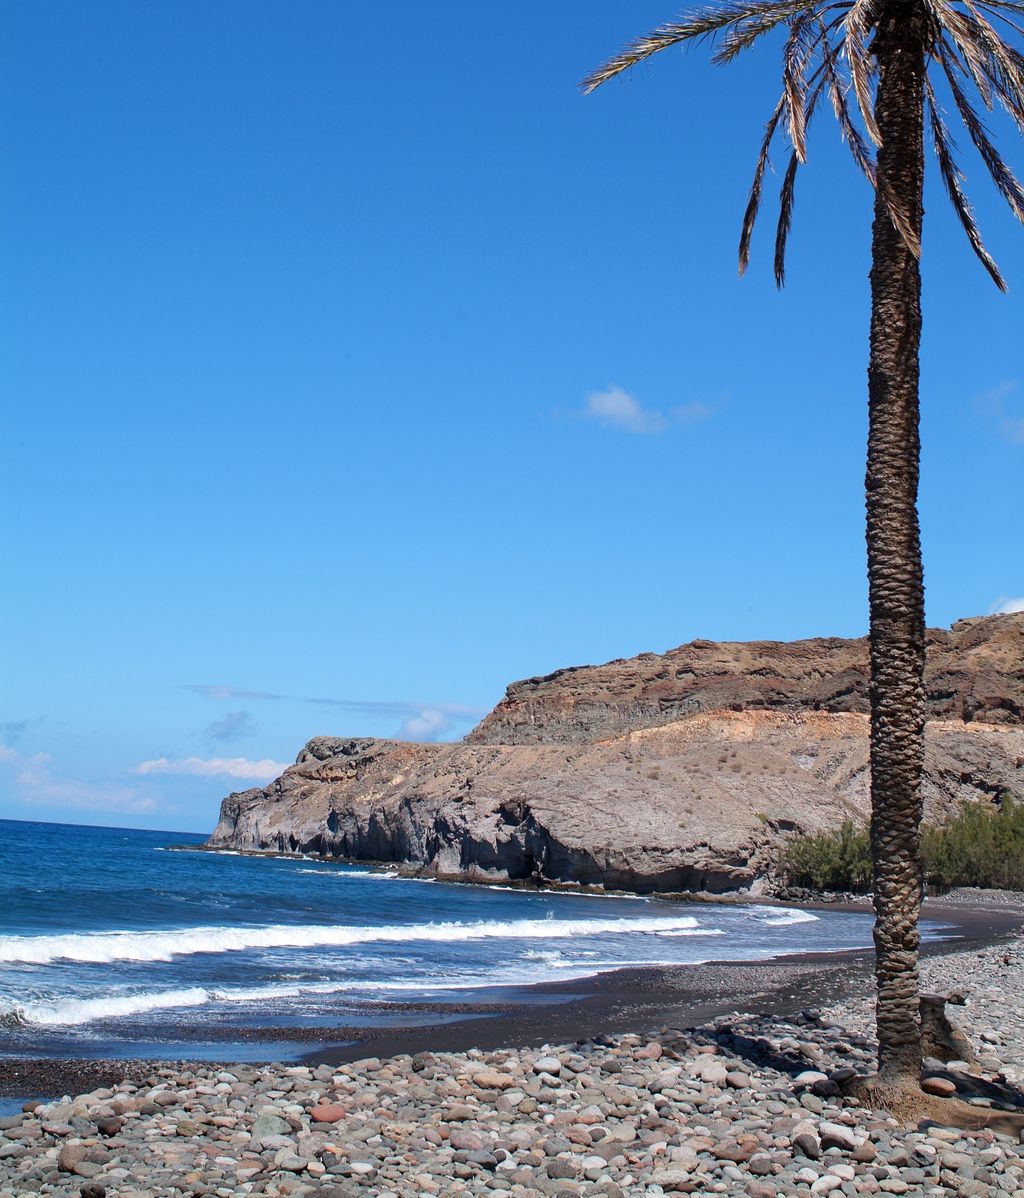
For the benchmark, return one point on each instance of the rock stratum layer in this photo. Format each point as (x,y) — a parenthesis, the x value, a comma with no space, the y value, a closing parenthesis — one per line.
(681,771)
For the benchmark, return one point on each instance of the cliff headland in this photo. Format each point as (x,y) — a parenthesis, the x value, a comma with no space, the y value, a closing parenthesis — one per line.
(681,771)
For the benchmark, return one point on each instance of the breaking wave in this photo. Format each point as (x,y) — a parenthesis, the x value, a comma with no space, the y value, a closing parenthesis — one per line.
(785,918)
(104,947)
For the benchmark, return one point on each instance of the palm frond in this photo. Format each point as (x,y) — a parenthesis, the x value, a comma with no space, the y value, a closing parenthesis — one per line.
(954,178)
(1006,181)
(901,218)
(971,66)
(953,60)
(1005,56)
(858,23)
(786,194)
(999,11)
(785,218)
(795,57)
(851,134)
(985,53)
(704,23)
(742,36)
(754,201)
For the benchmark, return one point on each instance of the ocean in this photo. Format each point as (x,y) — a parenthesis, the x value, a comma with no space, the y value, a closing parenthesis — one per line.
(123,943)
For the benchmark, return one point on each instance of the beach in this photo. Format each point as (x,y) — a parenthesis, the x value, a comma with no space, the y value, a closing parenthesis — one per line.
(714,1078)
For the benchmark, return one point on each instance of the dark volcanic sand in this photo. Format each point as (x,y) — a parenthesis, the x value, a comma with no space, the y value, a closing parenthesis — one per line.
(562,1012)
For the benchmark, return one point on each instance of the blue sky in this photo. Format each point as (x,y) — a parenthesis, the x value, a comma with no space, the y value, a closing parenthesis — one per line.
(357,366)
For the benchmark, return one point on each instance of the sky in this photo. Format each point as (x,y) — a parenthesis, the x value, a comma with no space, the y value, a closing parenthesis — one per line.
(356,365)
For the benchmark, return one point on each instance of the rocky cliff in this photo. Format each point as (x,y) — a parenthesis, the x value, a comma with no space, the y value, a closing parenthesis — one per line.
(675,771)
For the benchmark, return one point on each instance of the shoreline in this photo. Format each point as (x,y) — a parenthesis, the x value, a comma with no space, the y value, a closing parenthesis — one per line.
(619,1001)
(628,1000)
(744,1105)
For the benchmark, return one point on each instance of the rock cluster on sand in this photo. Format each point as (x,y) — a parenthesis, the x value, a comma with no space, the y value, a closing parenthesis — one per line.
(745,1106)
(681,771)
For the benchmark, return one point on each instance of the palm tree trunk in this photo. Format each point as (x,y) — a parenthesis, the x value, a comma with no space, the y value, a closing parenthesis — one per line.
(895,575)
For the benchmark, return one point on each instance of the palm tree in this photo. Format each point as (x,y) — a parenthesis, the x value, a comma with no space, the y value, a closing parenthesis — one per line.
(874,61)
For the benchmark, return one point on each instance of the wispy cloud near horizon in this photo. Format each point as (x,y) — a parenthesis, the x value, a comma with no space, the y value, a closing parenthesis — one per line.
(216,767)
(39,783)
(430,724)
(419,721)
(1005,606)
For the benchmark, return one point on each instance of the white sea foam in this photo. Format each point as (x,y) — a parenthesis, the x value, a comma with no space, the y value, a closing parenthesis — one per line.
(693,932)
(785,919)
(550,891)
(103,947)
(75,1011)
(348,875)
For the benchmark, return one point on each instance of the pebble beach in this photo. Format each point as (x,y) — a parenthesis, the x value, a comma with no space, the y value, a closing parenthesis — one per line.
(743,1105)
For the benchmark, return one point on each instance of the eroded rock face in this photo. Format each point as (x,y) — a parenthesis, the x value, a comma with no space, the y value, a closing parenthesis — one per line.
(975,672)
(680,771)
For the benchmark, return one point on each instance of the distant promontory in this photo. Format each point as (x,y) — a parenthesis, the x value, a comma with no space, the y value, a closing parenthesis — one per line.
(678,771)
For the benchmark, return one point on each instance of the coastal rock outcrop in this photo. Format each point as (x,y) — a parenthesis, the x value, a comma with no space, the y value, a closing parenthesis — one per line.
(664,772)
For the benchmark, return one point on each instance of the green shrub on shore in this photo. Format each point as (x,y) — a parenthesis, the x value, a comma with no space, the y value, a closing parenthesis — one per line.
(839,860)
(983,845)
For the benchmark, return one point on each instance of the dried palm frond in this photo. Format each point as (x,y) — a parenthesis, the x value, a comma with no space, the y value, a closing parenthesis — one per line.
(1004,178)
(858,24)
(795,57)
(754,202)
(851,134)
(787,192)
(743,35)
(785,218)
(701,24)
(985,54)
(832,44)
(999,11)
(994,46)
(953,178)
(956,32)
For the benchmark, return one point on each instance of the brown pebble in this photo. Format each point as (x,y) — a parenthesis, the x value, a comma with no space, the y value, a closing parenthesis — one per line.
(940,1086)
(328,1112)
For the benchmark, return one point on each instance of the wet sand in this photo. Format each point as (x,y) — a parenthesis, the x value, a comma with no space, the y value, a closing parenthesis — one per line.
(629,1000)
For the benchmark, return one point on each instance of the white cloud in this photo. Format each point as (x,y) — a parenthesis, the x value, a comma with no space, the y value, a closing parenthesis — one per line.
(38,786)
(616,408)
(216,767)
(1004,606)
(431,724)
(28,765)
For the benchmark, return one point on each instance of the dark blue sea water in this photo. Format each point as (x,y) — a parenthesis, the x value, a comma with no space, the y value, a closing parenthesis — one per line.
(114,944)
